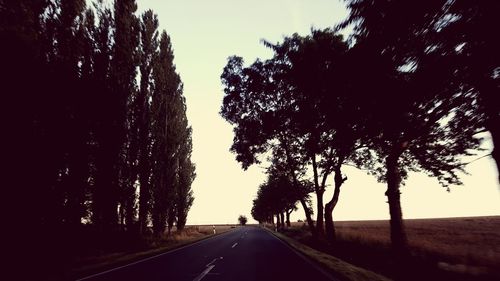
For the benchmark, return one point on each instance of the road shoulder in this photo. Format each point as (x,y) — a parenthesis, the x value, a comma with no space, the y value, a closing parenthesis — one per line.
(337,267)
(119,260)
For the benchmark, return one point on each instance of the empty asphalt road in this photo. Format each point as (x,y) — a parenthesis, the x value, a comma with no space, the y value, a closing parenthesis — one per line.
(245,253)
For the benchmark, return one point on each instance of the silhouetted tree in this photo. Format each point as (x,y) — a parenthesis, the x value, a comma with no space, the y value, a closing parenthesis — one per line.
(303,92)
(242,220)
(82,137)
(142,113)
(463,37)
(103,98)
(112,132)
(169,130)
(69,37)
(30,168)
(278,196)
(320,80)
(259,128)
(186,175)
(420,121)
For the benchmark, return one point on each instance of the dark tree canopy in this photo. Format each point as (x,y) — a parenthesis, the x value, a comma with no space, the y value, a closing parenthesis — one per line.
(402,95)
(87,133)
(422,117)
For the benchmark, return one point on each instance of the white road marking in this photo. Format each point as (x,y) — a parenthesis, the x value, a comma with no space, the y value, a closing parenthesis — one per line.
(214,260)
(234,245)
(209,267)
(205,272)
(153,257)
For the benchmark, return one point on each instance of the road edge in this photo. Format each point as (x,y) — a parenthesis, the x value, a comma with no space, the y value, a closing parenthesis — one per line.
(147,255)
(335,267)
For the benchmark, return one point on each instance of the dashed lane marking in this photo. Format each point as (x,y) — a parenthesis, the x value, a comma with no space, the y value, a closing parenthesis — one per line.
(205,272)
(209,267)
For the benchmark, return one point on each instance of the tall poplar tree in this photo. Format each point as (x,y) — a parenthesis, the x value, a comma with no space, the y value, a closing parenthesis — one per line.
(186,174)
(122,85)
(142,111)
(167,89)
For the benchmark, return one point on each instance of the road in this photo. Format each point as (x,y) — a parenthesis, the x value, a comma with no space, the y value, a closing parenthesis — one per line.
(245,253)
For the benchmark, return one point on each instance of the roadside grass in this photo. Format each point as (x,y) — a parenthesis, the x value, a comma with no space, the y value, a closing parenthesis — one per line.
(337,267)
(441,249)
(471,241)
(83,266)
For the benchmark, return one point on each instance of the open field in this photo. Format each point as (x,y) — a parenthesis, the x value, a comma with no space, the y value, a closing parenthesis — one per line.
(471,241)
(465,247)
(208,228)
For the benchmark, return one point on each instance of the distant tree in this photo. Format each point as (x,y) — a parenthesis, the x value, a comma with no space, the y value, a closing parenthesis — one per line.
(259,129)
(277,197)
(242,220)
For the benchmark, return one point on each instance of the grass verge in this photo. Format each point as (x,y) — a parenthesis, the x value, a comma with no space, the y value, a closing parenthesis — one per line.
(339,268)
(459,249)
(93,265)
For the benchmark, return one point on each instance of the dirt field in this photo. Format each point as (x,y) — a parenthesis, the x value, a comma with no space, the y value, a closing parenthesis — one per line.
(208,229)
(474,241)
(461,245)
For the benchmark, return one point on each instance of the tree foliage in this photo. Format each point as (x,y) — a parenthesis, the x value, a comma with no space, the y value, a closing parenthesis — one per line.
(242,220)
(88,133)
(422,116)
(401,95)
(278,196)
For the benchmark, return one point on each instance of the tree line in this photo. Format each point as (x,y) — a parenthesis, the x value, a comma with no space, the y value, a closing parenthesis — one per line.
(96,128)
(413,89)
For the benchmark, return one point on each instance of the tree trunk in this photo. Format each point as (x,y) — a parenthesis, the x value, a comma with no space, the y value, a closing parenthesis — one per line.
(143,216)
(398,233)
(282,217)
(319,216)
(329,224)
(303,202)
(488,98)
(495,137)
(121,215)
(492,106)
(309,220)
(77,183)
(144,158)
(105,197)
(319,198)
(288,218)
(278,222)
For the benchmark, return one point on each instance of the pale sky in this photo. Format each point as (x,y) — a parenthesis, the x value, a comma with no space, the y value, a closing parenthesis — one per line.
(204,33)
